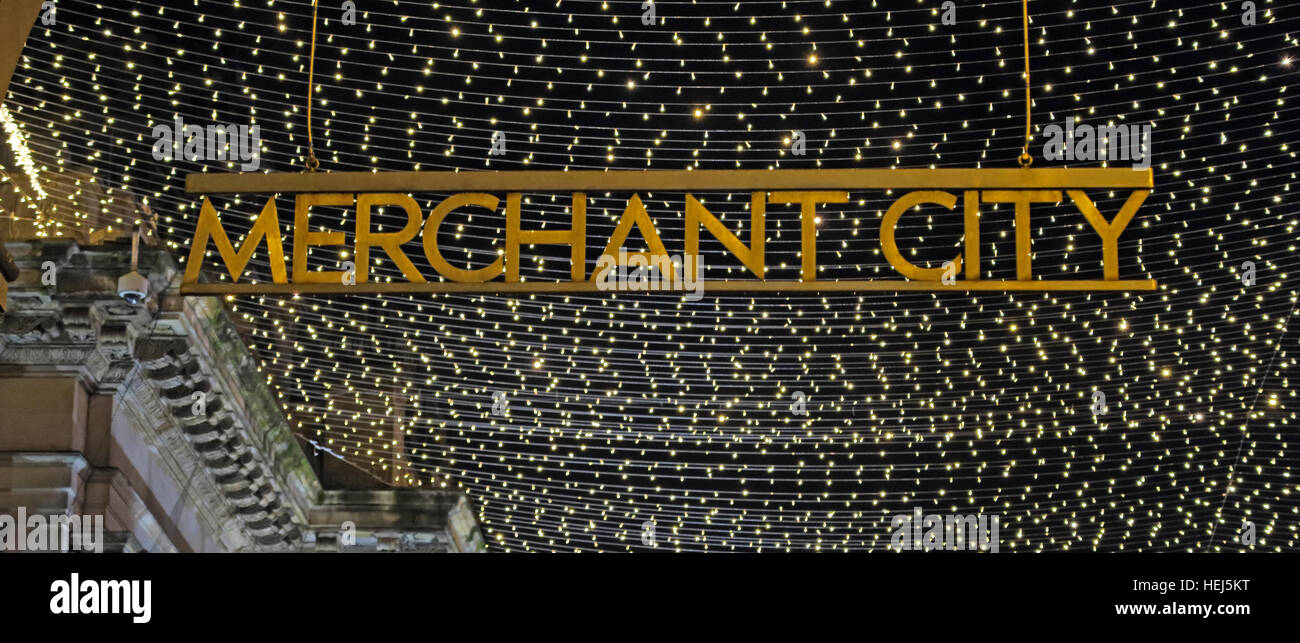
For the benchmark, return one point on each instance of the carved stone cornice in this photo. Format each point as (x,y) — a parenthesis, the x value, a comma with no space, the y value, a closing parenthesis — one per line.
(218,434)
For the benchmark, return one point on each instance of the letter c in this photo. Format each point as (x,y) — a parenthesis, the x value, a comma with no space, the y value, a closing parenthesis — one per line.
(431,238)
(895,212)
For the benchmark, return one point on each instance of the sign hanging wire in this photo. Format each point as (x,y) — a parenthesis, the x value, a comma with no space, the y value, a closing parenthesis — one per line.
(1025,159)
(311,162)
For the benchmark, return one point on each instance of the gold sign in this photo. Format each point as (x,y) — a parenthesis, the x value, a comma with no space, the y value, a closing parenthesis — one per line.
(806,189)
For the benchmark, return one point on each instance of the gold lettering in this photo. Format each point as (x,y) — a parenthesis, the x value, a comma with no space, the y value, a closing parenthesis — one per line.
(209,226)
(809,201)
(303,237)
(890,245)
(752,256)
(1024,233)
(971,199)
(633,214)
(1109,232)
(575,237)
(434,255)
(391,242)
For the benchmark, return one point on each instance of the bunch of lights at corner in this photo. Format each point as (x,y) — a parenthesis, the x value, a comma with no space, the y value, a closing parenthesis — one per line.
(75,194)
(572,421)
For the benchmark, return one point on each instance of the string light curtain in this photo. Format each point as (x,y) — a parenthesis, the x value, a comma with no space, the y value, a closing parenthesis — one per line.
(572,420)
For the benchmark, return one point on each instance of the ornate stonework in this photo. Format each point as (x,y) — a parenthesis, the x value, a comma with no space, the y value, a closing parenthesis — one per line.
(392,520)
(234,460)
(187,394)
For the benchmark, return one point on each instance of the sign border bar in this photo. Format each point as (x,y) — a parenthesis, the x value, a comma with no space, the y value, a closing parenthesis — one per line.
(668,180)
(579,287)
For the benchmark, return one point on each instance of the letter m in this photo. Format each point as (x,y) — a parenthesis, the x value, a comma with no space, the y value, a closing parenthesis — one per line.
(1115,150)
(114,593)
(267,226)
(219,139)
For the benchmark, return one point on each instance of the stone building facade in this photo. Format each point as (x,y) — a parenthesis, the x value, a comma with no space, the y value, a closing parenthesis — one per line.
(156,416)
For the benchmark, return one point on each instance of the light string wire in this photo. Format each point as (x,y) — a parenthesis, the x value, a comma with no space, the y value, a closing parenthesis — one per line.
(1250,415)
(657,129)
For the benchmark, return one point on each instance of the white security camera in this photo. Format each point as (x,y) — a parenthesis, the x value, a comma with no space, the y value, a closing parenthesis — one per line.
(133,287)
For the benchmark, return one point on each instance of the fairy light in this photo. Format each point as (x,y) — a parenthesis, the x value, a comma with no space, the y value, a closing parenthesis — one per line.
(22,154)
(626,408)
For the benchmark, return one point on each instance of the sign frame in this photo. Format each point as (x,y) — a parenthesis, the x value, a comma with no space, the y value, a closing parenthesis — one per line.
(1018,186)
